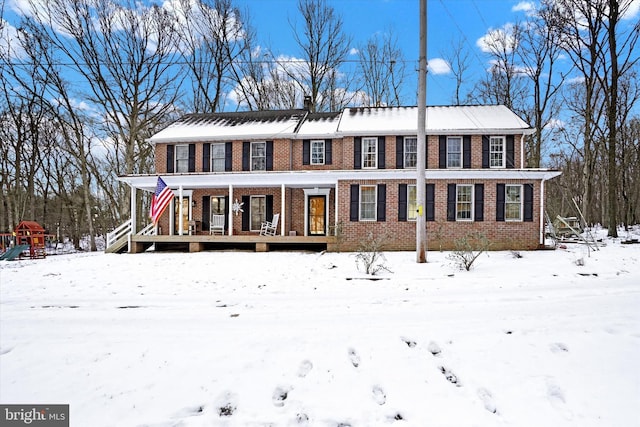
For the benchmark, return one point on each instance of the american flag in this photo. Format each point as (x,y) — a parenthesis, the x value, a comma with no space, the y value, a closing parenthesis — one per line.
(160,200)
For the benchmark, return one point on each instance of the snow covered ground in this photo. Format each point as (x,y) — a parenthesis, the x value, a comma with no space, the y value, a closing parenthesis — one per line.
(294,339)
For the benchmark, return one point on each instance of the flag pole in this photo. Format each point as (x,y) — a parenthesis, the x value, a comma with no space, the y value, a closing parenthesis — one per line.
(421,190)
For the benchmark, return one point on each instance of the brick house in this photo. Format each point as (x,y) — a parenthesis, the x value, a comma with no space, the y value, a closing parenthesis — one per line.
(351,171)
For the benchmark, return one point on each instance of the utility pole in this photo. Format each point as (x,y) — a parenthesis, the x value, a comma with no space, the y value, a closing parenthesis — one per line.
(421,190)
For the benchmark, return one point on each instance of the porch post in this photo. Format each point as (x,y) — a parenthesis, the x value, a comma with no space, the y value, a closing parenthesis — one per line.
(282,215)
(180,219)
(134,216)
(542,225)
(230,221)
(335,202)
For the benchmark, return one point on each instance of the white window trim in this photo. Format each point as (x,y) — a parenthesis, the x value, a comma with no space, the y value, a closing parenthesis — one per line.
(324,153)
(211,158)
(364,153)
(375,198)
(251,156)
(471,219)
(461,152)
(504,152)
(262,196)
(175,158)
(404,161)
(521,212)
(415,218)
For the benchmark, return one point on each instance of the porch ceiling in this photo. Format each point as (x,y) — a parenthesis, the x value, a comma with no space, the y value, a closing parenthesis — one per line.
(323,179)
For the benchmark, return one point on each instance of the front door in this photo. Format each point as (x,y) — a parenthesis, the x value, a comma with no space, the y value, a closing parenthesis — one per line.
(185,215)
(317,213)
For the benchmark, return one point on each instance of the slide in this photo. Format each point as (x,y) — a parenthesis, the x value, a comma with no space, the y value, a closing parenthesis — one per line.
(13,252)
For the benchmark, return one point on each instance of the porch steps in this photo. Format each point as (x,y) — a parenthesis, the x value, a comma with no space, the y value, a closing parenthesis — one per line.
(119,246)
(118,239)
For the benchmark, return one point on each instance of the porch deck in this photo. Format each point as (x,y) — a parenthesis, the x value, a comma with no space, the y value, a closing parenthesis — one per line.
(201,242)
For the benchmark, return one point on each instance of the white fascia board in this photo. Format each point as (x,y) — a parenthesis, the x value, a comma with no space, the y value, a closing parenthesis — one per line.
(437,132)
(326,178)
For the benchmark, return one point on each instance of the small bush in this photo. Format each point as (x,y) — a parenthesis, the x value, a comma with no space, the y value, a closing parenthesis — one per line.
(468,249)
(370,255)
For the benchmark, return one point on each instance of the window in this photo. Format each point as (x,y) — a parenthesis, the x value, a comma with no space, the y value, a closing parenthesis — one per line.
(367,202)
(454,152)
(412,203)
(258,156)
(217,205)
(513,203)
(370,152)
(464,202)
(496,151)
(317,152)
(182,158)
(218,157)
(410,151)
(257,212)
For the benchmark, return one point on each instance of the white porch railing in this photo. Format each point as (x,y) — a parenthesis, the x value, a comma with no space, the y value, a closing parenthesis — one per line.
(125,229)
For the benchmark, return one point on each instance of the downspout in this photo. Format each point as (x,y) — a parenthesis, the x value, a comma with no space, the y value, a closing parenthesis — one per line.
(522,151)
(542,212)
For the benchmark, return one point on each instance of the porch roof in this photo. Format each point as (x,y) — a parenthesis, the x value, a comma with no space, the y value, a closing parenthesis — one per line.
(325,178)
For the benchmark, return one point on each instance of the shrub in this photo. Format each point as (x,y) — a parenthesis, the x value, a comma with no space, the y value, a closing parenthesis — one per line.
(468,249)
(370,255)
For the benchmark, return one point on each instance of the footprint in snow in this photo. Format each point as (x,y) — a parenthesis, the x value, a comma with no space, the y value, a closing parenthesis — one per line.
(487,400)
(558,347)
(355,359)
(434,349)
(450,376)
(379,395)
(305,367)
(226,404)
(409,342)
(280,394)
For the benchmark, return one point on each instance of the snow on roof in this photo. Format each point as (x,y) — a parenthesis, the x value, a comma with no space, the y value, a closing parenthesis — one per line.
(299,124)
(226,126)
(319,125)
(440,120)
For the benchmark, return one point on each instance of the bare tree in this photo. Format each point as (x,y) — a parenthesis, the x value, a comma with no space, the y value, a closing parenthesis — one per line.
(325,46)
(382,67)
(458,58)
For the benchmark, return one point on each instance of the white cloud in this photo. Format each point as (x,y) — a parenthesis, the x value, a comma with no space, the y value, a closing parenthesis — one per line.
(9,43)
(438,66)
(354,51)
(501,39)
(555,123)
(633,11)
(528,7)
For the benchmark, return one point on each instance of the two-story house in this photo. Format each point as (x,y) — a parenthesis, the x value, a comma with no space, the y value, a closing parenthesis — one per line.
(347,173)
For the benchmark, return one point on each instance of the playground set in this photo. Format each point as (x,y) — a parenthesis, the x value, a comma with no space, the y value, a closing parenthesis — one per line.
(29,241)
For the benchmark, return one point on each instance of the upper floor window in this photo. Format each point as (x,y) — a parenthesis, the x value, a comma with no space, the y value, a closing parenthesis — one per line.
(410,151)
(513,203)
(218,157)
(182,158)
(370,152)
(497,148)
(258,156)
(317,152)
(454,152)
(367,202)
(464,202)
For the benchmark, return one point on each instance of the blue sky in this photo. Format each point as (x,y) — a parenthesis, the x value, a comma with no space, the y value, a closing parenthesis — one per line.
(448,21)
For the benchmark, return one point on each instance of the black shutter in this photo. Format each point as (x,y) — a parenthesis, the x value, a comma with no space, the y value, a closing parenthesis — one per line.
(354,203)
(402,202)
(478,195)
(206,212)
(466,152)
(306,152)
(170,161)
(500,197)
(226,212)
(357,152)
(382,203)
(431,202)
(451,202)
(400,153)
(269,155)
(328,152)
(268,207)
(192,157)
(206,157)
(381,153)
(228,156)
(485,151)
(528,203)
(510,152)
(246,156)
(442,152)
(246,206)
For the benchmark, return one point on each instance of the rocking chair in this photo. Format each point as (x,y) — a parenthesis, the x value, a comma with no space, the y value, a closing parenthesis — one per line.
(269,228)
